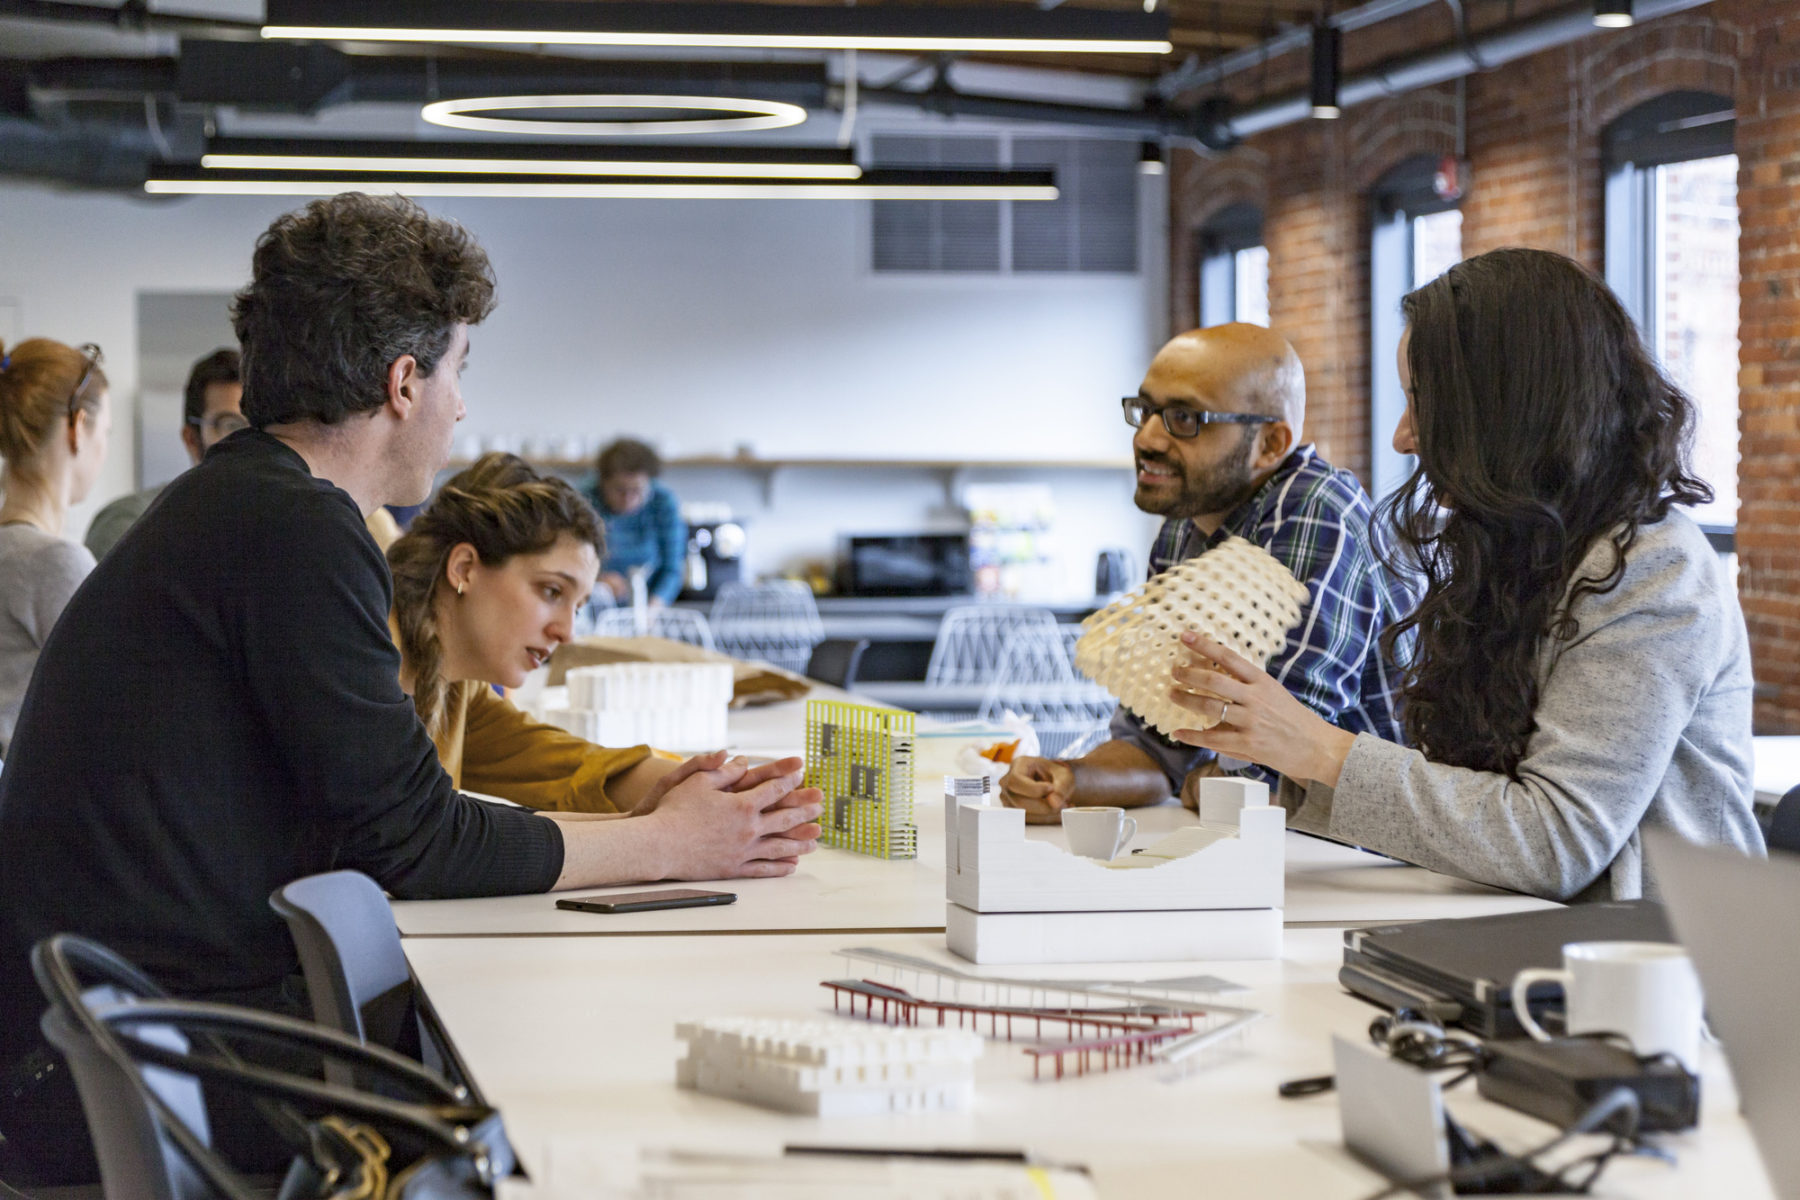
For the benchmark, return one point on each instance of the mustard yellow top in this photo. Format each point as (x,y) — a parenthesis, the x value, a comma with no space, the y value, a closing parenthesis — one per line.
(489,746)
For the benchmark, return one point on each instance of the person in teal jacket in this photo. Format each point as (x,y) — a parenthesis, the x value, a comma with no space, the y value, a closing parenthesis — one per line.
(643,523)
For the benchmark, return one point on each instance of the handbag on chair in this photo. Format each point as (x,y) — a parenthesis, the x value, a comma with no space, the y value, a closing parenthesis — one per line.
(139,1062)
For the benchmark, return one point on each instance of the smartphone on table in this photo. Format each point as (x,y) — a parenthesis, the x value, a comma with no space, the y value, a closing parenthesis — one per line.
(630,902)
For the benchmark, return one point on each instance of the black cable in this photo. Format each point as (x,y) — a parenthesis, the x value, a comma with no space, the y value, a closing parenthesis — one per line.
(1598,1114)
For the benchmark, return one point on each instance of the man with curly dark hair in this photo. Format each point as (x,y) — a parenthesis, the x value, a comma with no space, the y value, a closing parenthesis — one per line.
(219,710)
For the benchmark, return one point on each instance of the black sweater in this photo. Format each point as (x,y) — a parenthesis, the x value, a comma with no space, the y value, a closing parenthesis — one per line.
(218,712)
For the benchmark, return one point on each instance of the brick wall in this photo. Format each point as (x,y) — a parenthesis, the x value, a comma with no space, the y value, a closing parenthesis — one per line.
(1533,141)
(1768,146)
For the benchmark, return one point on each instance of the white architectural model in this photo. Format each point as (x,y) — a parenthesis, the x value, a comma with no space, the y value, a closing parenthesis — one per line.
(673,706)
(1236,593)
(1209,891)
(829,1068)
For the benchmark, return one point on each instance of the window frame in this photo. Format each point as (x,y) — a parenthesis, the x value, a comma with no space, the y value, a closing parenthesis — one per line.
(1232,229)
(1674,127)
(1403,194)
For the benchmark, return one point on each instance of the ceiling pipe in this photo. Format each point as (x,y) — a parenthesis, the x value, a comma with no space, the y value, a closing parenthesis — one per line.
(1193,75)
(1483,51)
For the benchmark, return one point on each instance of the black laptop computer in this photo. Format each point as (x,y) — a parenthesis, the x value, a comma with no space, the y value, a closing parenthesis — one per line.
(1461,971)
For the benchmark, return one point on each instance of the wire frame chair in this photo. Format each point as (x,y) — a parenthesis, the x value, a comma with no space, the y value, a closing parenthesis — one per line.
(973,638)
(675,624)
(1036,679)
(775,622)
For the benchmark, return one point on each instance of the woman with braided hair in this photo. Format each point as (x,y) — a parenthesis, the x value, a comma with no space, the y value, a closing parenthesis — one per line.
(486,585)
(54,423)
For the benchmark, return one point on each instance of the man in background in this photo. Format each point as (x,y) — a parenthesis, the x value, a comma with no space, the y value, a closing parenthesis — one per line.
(211,410)
(644,529)
(1218,451)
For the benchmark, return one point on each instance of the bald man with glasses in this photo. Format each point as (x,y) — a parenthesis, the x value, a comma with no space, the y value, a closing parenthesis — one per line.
(1218,421)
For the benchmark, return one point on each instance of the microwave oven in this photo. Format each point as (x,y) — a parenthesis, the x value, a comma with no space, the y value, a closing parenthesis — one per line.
(909,564)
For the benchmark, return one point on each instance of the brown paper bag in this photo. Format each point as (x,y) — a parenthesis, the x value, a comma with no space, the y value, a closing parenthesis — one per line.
(752,682)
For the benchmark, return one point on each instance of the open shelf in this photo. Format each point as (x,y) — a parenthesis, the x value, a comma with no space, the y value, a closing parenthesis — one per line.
(954,472)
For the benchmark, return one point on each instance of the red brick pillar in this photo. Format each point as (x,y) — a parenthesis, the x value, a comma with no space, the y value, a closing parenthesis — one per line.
(1768,147)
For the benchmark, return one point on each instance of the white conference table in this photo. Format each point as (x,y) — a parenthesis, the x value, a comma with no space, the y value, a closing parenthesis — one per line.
(1327,883)
(573,1038)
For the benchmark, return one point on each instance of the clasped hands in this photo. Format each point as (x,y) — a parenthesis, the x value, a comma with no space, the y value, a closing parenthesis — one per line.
(760,816)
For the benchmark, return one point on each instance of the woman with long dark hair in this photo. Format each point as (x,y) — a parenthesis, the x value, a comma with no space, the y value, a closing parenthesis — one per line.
(1577,667)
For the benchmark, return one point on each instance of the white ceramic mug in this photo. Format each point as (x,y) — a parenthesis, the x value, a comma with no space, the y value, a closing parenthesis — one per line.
(1098,832)
(1646,991)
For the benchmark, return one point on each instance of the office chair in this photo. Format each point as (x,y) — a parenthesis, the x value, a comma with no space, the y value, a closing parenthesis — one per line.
(1783,830)
(775,622)
(836,660)
(357,976)
(972,640)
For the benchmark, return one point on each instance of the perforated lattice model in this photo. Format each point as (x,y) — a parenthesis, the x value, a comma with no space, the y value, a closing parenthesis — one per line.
(1236,593)
(861,757)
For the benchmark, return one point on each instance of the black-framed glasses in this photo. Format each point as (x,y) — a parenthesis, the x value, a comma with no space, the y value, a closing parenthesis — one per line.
(94,357)
(1184,422)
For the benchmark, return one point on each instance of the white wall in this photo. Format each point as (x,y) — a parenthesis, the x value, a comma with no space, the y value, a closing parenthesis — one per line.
(702,325)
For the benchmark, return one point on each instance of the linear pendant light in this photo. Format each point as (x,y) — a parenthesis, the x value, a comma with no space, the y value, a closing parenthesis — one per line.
(1021,29)
(351,158)
(938,184)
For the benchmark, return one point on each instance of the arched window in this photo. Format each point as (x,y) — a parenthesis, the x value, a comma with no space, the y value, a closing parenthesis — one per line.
(1672,256)
(1415,235)
(1234,267)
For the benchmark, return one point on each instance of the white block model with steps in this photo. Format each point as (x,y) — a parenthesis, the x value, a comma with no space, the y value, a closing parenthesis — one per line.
(1209,891)
(829,1068)
(673,706)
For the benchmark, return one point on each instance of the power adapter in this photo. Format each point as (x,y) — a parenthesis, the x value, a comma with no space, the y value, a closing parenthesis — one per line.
(1560,1080)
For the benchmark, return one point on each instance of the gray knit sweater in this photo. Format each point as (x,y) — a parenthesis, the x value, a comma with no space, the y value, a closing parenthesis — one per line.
(1643,719)
(38,574)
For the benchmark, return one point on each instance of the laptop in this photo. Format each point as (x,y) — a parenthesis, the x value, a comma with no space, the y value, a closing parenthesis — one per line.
(1461,971)
(1736,916)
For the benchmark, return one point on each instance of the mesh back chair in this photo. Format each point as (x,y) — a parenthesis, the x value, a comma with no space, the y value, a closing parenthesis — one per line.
(357,977)
(972,639)
(775,622)
(1036,679)
(675,624)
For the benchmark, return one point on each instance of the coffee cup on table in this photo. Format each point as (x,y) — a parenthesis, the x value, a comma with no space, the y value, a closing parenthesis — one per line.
(1646,991)
(1098,832)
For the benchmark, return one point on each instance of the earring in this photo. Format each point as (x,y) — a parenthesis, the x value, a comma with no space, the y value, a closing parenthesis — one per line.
(459,588)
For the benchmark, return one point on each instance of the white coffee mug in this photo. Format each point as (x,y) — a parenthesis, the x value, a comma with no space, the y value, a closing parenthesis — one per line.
(1646,991)
(1098,832)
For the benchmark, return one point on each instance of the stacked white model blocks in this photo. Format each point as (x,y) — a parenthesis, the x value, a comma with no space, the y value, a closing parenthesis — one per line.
(1209,891)
(829,1068)
(674,706)
(1237,593)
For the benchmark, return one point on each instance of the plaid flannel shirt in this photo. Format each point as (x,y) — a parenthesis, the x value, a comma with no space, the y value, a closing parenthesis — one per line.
(1315,519)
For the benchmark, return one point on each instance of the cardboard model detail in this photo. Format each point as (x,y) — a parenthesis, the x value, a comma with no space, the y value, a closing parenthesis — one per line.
(829,1068)
(1236,593)
(1208,891)
(861,758)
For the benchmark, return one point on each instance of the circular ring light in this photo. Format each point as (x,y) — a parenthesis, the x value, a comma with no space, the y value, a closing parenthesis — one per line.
(750,114)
